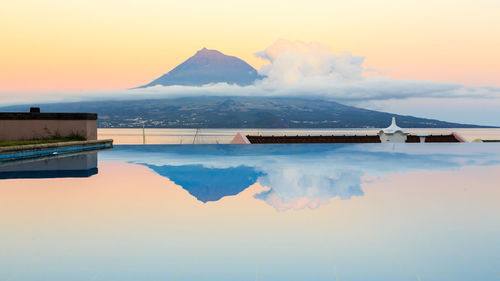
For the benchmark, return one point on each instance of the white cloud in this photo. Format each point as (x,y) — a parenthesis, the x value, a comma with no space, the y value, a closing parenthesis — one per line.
(294,62)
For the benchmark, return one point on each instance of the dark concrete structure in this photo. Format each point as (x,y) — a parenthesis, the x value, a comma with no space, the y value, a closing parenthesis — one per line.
(347,139)
(314,139)
(434,138)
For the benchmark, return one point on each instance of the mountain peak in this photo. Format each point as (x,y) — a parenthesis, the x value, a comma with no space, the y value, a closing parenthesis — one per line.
(207,52)
(208,66)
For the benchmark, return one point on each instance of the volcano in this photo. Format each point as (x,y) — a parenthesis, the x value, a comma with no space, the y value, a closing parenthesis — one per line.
(206,67)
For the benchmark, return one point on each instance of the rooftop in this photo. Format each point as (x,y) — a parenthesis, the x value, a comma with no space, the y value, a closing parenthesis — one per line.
(35,114)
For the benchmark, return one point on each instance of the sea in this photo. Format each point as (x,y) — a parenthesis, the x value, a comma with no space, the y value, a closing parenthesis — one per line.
(224,136)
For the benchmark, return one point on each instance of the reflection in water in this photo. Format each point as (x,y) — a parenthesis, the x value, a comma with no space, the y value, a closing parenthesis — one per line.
(298,176)
(209,184)
(64,166)
(429,212)
(295,188)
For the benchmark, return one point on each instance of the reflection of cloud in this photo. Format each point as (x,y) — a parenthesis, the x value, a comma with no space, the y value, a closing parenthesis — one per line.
(292,188)
(299,176)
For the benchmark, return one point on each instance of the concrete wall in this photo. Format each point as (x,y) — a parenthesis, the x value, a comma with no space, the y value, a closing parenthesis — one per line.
(36,129)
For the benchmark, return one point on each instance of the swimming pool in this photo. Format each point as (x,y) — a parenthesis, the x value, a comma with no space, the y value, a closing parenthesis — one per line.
(256,212)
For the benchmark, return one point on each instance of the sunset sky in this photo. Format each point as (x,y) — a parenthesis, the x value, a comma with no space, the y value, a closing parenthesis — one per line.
(57,45)
(77,46)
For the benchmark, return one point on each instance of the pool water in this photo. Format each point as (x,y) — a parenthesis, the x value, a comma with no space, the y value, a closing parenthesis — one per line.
(254,212)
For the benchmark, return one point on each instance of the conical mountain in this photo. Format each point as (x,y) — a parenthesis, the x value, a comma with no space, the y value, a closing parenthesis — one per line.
(208,66)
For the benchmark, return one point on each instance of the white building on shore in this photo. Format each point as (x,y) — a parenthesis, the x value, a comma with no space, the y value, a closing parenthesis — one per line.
(393,133)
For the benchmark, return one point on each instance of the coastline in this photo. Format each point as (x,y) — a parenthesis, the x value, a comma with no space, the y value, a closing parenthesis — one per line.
(224,136)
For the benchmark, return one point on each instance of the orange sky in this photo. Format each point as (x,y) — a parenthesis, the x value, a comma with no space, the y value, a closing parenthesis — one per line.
(57,45)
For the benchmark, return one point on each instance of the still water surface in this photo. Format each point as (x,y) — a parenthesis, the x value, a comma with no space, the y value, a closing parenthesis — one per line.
(257,212)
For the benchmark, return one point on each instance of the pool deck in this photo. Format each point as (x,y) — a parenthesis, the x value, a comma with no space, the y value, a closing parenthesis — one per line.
(9,153)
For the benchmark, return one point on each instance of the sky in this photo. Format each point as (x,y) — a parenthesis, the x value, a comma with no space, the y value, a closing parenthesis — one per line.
(69,47)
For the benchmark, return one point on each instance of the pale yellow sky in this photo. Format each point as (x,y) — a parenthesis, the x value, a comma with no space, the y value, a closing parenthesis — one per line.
(78,45)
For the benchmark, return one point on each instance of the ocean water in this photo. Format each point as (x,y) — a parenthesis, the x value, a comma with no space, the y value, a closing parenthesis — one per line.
(224,136)
(256,212)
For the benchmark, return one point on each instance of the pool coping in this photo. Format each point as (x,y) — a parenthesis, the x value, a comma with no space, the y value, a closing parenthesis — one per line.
(38,150)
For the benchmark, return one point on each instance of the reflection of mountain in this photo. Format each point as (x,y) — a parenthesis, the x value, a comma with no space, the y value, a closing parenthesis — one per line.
(298,175)
(64,166)
(209,184)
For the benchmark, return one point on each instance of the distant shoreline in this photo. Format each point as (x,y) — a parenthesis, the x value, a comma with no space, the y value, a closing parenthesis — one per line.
(239,112)
(225,135)
(300,128)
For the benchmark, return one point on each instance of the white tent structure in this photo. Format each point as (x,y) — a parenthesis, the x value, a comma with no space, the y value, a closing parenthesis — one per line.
(393,133)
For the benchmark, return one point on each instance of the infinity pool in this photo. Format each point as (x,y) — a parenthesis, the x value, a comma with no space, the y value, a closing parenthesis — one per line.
(254,212)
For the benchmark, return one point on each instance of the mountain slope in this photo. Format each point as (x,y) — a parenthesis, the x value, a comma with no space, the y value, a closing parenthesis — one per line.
(208,66)
(237,112)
